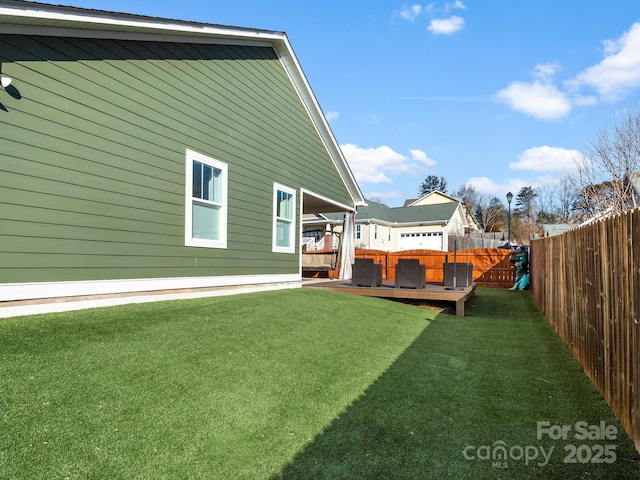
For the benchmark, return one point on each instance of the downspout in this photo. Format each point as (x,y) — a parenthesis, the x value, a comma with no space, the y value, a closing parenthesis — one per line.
(446,235)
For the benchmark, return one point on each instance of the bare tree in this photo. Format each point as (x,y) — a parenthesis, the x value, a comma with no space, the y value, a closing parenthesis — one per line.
(375,199)
(490,213)
(554,203)
(566,196)
(605,174)
(522,230)
(545,202)
(469,196)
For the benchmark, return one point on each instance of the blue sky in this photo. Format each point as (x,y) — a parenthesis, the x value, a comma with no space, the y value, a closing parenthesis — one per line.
(499,94)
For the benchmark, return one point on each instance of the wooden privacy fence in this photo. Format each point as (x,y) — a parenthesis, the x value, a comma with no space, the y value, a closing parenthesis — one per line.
(491,266)
(587,283)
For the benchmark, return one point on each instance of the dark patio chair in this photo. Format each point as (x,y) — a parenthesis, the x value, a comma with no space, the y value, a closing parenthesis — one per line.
(410,273)
(464,274)
(366,273)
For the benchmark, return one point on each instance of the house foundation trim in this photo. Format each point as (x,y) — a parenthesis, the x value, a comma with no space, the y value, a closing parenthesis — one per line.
(47,297)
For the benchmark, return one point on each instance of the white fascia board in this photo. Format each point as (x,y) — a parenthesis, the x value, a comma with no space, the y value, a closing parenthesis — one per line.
(401,225)
(463,215)
(319,217)
(319,221)
(44,15)
(16,29)
(376,221)
(44,290)
(340,206)
(420,224)
(278,282)
(434,193)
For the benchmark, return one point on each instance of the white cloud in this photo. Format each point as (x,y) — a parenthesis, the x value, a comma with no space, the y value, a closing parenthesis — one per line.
(619,71)
(482,184)
(458,4)
(537,99)
(614,77)
(420,156)
(551,164)
(385,196)
(544,71)
(488,186)
(410,13)
(584,100)
(332,115)
(547,159)
(446,26)
(376,165)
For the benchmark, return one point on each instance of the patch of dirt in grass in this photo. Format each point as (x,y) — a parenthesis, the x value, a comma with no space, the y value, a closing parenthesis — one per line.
(440,307)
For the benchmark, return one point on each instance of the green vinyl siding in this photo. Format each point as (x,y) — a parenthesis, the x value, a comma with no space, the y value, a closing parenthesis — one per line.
(92,157)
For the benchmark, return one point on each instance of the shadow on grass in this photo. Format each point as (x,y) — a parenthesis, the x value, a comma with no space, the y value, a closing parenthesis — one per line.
(465,388)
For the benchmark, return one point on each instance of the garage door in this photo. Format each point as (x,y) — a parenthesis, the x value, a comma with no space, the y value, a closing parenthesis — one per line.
(421,240)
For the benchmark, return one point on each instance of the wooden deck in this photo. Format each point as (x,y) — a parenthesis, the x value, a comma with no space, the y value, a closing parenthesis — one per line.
(432,291)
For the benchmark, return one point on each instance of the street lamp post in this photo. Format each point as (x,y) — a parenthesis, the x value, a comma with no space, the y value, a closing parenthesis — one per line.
(509,198)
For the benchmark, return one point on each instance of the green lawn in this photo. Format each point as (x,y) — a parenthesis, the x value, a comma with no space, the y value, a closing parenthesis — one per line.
(296,384)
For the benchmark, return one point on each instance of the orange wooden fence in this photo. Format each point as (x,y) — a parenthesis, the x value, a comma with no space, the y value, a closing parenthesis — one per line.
(587,283)
(491,266)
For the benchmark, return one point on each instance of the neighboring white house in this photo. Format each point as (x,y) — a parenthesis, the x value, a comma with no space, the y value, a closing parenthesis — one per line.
(425,223)
(551,230)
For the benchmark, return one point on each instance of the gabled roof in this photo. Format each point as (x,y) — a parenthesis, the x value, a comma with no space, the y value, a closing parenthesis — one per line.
(432,197)
(22,17)
(425,213)
(419,214)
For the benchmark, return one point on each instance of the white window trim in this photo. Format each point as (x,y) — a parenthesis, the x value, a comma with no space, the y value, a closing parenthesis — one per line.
(275,247)
(188,223)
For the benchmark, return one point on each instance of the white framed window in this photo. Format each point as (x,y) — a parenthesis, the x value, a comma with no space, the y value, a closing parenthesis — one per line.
(358,231)
(284,219)
(205,202)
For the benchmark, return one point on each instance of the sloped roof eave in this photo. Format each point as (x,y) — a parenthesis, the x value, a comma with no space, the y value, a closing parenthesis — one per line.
(21,17)
(403,224)
(296,74)
(444,223)
(413,202)
(463,215)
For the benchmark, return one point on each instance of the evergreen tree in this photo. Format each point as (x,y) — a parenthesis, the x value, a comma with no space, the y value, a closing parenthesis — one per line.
(477,214)
(525,203)
(431,184)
